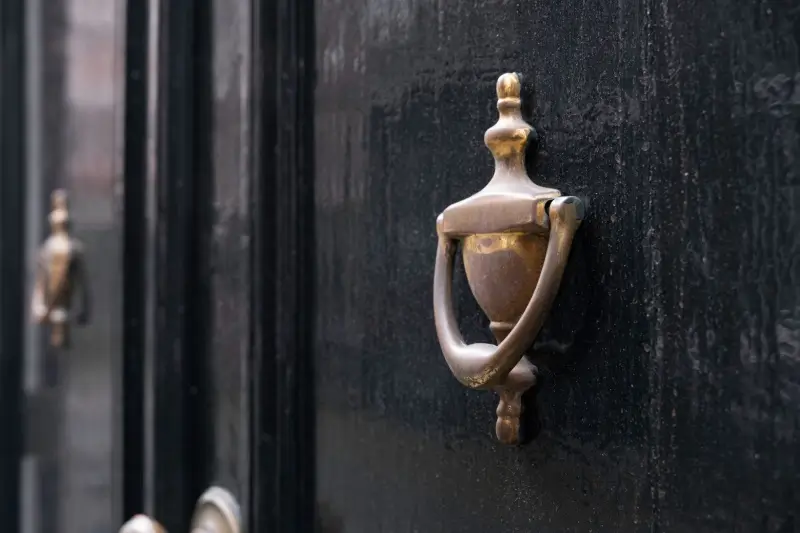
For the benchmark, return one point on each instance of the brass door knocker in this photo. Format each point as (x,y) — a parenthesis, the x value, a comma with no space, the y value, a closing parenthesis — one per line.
(60,277)
(516,237)
(217,511)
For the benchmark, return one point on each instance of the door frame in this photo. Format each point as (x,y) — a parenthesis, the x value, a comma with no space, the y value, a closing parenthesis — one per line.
(282,394)
(167,444)
(165,438)
(12,253)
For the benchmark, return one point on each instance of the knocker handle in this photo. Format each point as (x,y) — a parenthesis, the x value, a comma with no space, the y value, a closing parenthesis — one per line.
(484,365)
(513,267)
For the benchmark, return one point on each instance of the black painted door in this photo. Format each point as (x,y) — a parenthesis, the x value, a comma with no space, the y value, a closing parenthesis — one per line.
(672,357)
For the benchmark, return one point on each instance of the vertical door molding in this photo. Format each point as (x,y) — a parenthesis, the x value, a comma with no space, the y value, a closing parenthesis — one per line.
(283,278)
(12,252)
(134,255)
(166,159)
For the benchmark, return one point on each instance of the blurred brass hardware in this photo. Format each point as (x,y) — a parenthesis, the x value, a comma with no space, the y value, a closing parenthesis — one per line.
(515,239)
(60,276)
(217,511)
(142,524)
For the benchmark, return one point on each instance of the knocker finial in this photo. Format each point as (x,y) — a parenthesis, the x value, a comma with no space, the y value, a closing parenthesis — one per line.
(59,215)
(508,86)
(508,138)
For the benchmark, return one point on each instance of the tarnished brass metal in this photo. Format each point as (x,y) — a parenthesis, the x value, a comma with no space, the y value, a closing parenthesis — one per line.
(516,237)
(217,511)
(60,277)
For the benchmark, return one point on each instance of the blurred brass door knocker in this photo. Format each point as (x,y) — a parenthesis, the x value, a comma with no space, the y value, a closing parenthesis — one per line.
(217,511)
(515,239)
(60,277)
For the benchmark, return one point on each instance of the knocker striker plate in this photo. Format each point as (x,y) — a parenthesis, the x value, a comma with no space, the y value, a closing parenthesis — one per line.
(515,239)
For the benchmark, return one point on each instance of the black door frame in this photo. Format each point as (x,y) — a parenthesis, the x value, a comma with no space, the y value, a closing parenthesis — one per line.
(283,230)
(165,436)
(12,253)
(134,245)
(166,433)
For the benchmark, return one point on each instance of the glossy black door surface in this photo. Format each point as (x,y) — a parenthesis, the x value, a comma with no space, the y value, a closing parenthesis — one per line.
(672,358)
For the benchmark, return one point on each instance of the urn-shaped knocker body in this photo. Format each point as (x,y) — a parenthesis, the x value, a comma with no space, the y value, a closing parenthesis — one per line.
(515,238)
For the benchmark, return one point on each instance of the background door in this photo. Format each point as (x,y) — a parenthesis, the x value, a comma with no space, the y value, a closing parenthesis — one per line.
(671,398)
(60,111)
(136,108)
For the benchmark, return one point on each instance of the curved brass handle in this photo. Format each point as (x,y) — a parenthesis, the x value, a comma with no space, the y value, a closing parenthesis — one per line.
(217,511)
(516,240)
(484,365)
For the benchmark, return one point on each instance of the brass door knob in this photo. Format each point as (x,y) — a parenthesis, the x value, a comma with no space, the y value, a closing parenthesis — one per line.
(217,511)
(60,277)
(515,238)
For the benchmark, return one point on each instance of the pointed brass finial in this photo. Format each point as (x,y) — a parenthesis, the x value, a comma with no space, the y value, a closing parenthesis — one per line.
(60,276)
(509,136)
(509,86)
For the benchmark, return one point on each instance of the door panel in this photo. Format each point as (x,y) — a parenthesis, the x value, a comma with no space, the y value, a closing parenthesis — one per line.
(672,402)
